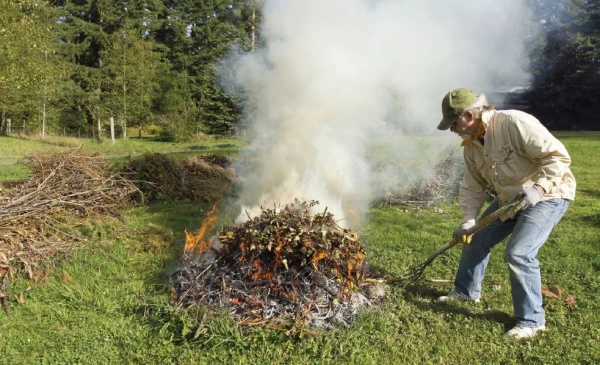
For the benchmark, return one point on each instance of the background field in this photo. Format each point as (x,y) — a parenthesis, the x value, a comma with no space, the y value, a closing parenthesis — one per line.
(109,302)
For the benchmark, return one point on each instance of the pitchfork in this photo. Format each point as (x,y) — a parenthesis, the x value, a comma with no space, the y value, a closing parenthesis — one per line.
(415,272)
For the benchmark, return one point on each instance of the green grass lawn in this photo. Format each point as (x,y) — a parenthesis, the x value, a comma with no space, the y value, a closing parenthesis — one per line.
(108,303)
(12,148)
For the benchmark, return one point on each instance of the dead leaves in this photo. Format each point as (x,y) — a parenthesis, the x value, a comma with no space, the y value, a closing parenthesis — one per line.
(282,240)
(66,278)
(557,293)
(4,294)
(287,265)
(20,298)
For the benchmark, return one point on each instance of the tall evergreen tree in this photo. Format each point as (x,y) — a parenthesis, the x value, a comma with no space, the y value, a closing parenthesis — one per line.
(198,34)
(137,60)
(132,64)
(88,24)
(566,64)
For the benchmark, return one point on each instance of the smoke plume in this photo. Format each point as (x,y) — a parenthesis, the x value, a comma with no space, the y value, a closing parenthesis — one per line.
(337,77)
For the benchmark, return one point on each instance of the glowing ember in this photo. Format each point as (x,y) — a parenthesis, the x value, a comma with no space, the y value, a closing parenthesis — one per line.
(198,244)
(286,266)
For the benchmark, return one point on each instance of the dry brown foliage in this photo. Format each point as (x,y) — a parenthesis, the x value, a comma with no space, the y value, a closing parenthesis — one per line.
(427,192)
(197,178)
(555,292)
(32,212)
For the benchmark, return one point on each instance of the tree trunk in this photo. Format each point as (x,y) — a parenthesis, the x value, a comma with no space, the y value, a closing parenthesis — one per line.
(44,104)
(124,94)
(44,118)
(112,130)
(2,121)
(8,126)
(253,30)
(99,129)
(140,131)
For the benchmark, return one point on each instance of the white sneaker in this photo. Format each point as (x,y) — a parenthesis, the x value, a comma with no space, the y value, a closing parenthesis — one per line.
(520,331)
(455,296)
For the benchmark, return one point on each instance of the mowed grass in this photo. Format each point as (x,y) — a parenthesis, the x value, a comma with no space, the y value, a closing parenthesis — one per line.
(13,148)
(109,302)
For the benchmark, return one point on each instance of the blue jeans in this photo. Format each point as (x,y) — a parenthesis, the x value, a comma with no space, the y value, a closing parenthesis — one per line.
(530,229)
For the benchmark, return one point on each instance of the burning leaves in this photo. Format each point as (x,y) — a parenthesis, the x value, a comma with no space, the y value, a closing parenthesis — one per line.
(198,243)
(283,267)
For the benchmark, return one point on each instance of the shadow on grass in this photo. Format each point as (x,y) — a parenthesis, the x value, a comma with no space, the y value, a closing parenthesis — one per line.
(593,220)
(592,193)
(156,309)
(144,137)
(412,293)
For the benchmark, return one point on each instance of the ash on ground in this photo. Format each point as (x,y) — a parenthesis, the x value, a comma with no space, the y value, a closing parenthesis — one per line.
(285,267)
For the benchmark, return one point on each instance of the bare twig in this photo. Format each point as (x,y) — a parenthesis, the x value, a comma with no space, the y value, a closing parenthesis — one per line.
(60,184)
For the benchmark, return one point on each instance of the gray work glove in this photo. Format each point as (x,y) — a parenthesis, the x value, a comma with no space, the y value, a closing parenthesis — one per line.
(531,196)
(460,233)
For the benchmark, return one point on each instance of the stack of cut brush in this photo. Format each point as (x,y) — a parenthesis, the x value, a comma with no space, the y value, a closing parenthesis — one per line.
(32,214)
(36,215)
(284,267)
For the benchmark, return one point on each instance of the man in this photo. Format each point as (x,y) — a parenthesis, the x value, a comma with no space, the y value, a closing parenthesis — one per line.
(512,154)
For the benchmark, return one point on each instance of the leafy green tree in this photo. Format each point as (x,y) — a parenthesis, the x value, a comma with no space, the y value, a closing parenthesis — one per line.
(67,65)
(132,65)
(29,66)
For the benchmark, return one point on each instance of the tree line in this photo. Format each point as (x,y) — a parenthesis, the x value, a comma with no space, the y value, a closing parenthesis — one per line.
(565,64)
(68,66)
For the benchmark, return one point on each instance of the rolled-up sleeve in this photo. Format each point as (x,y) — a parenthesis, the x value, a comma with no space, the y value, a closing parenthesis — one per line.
(472,190)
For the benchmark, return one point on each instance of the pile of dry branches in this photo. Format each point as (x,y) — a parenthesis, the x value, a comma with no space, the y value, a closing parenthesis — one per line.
(60,184)
(427,192)
(280,268)
(198,178)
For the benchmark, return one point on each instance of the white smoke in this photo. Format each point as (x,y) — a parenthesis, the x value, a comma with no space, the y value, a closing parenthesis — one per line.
(335,75)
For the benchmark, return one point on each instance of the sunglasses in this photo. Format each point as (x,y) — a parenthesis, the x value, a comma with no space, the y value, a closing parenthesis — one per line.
(453,125)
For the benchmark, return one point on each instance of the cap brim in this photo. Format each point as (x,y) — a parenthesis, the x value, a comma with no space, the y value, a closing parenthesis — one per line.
(446,123)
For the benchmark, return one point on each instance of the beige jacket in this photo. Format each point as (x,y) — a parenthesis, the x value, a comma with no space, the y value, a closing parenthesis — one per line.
(518,152)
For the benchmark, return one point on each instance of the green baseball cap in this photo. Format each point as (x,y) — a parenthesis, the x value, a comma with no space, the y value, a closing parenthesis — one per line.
(454,103)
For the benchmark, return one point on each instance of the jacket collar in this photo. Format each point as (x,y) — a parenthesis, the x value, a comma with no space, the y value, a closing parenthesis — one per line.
(486,117)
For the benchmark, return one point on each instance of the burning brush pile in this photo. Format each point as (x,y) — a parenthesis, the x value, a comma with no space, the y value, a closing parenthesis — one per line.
(284,267)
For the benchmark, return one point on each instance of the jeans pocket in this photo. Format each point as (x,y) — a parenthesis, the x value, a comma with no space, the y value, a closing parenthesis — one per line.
(563,210)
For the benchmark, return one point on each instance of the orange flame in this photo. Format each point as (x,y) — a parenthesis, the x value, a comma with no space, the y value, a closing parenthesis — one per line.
(318,257)
(198,243)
